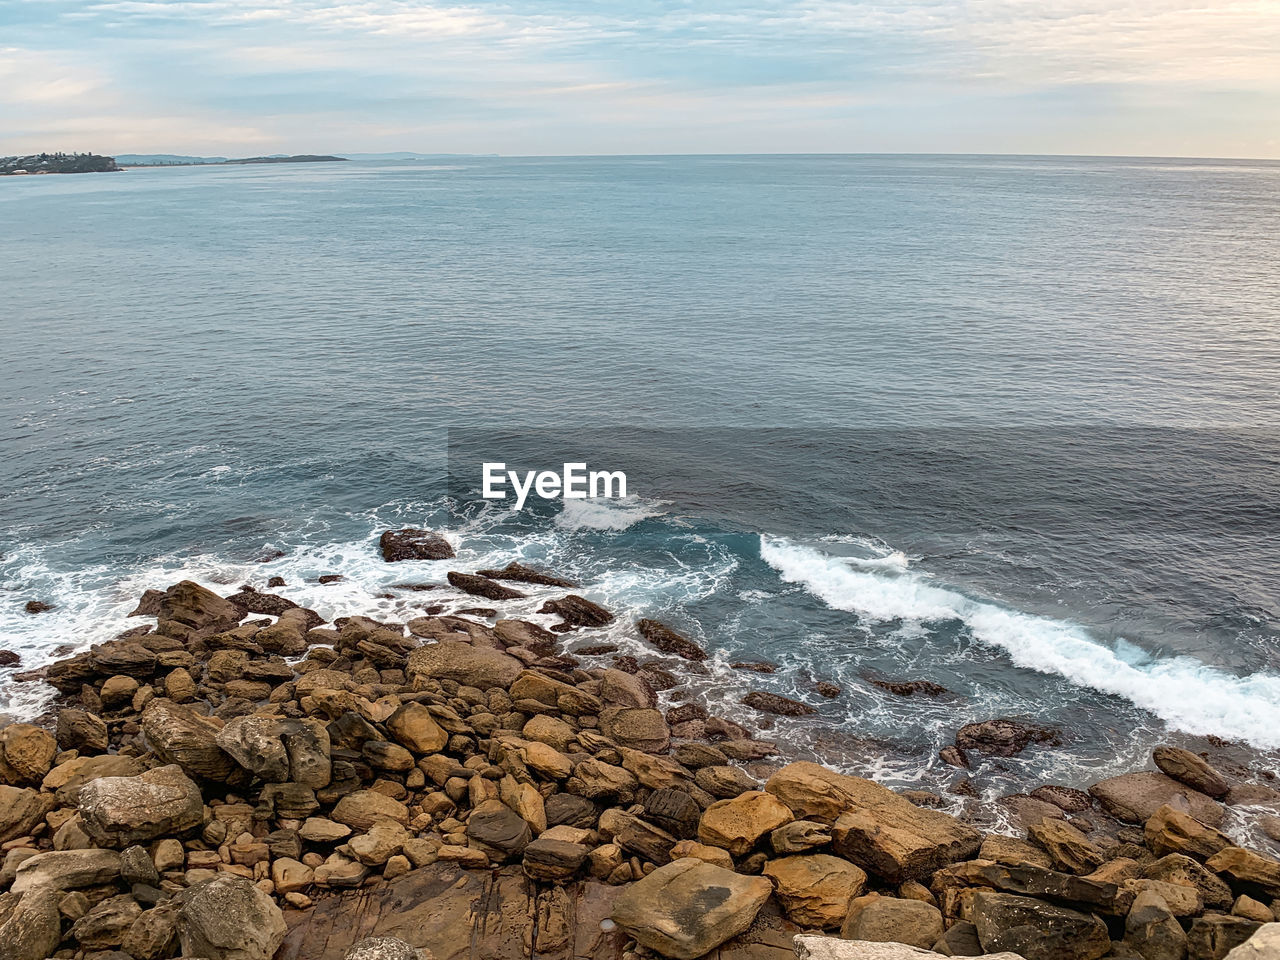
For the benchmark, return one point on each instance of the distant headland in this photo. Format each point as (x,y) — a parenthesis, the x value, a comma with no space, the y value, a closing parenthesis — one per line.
(93,163)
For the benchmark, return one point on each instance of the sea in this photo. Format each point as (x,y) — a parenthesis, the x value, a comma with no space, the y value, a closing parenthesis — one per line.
(1007,424)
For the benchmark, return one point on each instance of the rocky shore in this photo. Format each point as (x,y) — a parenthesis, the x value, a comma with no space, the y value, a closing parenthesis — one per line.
(242,780)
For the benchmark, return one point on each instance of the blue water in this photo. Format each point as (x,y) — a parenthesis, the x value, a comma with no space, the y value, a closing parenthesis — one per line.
(1008,424)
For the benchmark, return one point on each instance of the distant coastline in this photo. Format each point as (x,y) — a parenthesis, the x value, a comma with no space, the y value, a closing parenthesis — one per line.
(167,160)
(43,163)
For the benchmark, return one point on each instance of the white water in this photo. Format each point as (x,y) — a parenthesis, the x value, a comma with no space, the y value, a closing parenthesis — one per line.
(1181,691)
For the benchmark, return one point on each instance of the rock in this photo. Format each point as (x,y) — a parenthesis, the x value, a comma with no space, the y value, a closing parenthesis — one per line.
(1247,867)
(961,940)
(33,929)
(136,866)
(497,828)
(522,574)
(828,948)
(1171,831)
(1003,737)
(624,690)
(81,730)
(888,920)
(688,908)
(181,736)
(363,808)
(577,611)
(413,726)
(1028,880)
(662,637)
(26,753)
(570,810)
(816,890)
(1185,767)
(228,918)
(1036,930)
(384,948)
(1068,848)
(67,870)
(1153,931)
(37,606)
(9,659)
(120,811)
(188,611)
(777,704)
(117,692)
(412,544)
(724,781)
(873,827)
(738,825)
(674,811)
(1067,799)
(254,743)
(1214,937)
(1181,869)
(910,688)
(1135,797)
(638,728)
(67,778)
(1013,851)
(470,666)
(482,586)
(799,836)
(522,633)
(554,861)
(1251,909)
(153,934)
(384,840)
(1263,945)
(106,923)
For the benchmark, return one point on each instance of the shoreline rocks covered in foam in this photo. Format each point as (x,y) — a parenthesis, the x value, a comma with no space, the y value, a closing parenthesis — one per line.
(244,781)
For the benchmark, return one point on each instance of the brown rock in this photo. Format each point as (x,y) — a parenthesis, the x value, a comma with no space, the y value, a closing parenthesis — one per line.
(662,637)
(521,574)
(119,811)
(411,544)
(179,735)
(1172,831)
(1068,848)
(777,704)
(1247,867)
(577,611)
(482,586)
(1004,737)
(1153,931)
(1185,767)
(466,664)
(815,890)
(1037,930)
(739,824)
(26,753)
(1135,797)
(1213,937)
(189,610)
(888,920)
(638,728)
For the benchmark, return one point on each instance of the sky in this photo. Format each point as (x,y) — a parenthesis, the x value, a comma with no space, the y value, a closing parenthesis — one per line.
(538,77)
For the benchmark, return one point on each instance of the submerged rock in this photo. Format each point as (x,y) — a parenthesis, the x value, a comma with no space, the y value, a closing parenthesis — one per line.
(522,574)
(777,704)
(659,635)
(1004,737)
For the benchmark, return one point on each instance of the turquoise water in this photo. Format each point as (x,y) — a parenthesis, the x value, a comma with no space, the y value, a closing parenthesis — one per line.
(1007,424)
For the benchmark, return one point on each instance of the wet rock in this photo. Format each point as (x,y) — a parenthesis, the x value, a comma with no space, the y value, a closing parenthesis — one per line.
(739,824)
(249,600)
(954,757)
(1027,880)
(465,664)
(1067,799)
(576,611)
(522,574)
(659,635)
(9,659)
(755,666)
(37,606)
(688,908)
(827,689)
(815,890)
(482,586)
(888,920)
(872,826)
(413,544)
(1004,737)
(777,704)
(189,610)
(911,688)
(120,811)
(1036,930)
(1135,797)
(181,736)
(228,918)
(1185,767)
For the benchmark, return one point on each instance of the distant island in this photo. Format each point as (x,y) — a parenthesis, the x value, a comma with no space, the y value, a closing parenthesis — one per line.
(175,160)
(57,163)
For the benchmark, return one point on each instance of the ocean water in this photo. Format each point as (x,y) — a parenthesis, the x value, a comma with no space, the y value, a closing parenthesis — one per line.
(1011,425)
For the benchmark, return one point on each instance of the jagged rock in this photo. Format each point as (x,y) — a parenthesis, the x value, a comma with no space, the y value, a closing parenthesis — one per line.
(67,870)
(577,611)
(1004,737)
(816,890)
(153,934)
(482,586)
(688,908)
(799,836)
(1135,797)
(1245,866)
(385,948)
(1153,931)
(1185,767)
(1178,868)
(120,811)
(1067,799)
(33,929)
(1214,937)
(1263,945)
(662,637)
(873,827)
(181,736)
(413,544)
(1036,930)
(26,753)
(413,726)
(471,666)
(888,920)
(909,688)
(106,923)
(674,811)
(738,825)
(777,704)
(189,610)
(1068,848)
(522,633)
(228,918)
(522,574)
(1172,831)
(136,866)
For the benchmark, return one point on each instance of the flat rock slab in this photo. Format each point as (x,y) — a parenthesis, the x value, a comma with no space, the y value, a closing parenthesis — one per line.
(829,948)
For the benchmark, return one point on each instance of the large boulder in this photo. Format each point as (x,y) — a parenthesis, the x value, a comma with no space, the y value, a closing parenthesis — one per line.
(279,750)
(498,830)
(119,811)
(385,948)
(1037,930)
(414,544)
(189,611)
(67,778)
(181,736)
(829,948)
(1003,737)
(816,889)
(20,811)
(668,641)
(1135,797)
(33,929)
(1247,868)
(413,726)
(363,808)
(888,919)
(1171,831)
(468,665)
(1263,945)
(872,826)
(228,918)
(688,908)
(738,825)
(1152,930)
(26,753)
(67,869)
(1185,767)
